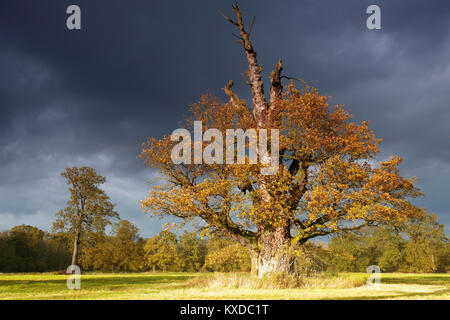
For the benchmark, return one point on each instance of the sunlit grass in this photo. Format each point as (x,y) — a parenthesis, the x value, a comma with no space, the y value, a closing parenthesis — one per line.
(208,286)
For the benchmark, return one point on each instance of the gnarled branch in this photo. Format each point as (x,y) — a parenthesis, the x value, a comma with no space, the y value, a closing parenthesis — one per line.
(259,101)
(237,103)
(276,91)
(302,238)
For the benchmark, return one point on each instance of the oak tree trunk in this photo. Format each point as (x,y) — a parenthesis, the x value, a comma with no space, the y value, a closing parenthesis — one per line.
(272,253)
(269,252)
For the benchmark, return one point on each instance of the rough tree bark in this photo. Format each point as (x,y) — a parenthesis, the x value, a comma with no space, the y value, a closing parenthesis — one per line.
(273,254)
(269,250)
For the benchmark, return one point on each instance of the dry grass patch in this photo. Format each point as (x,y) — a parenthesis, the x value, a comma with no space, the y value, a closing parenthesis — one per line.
(275,281)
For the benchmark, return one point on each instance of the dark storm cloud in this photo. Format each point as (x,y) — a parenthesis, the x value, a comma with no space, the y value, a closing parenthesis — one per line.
(91,97)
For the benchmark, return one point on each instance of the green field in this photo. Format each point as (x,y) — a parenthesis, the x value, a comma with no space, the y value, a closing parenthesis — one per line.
(192,286)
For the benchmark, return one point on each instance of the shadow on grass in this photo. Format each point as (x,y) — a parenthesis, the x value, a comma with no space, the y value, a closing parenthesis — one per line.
(398,295)
(417,279)
(102,280)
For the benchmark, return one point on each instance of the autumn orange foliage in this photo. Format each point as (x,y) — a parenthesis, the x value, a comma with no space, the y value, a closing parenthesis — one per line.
(328,179)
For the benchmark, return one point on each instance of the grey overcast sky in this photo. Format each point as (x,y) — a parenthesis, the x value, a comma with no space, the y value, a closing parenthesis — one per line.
(92,96)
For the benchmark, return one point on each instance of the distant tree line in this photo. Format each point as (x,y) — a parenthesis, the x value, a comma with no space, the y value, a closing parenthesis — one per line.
(421,246)
(29,249)
(416,247)
(125,250)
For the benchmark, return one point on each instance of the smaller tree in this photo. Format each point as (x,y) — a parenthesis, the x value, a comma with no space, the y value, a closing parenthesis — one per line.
(123,250)
(128,251)
(88,209)
(161,251)
(191,252)
(428,246)
(391,246)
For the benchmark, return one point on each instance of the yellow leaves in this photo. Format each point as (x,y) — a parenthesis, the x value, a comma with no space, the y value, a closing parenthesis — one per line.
(345,190)
(169,226)
(233,257)
(334,179)
(313,130)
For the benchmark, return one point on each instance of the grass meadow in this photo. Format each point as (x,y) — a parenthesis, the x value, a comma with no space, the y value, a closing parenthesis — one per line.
(173,286)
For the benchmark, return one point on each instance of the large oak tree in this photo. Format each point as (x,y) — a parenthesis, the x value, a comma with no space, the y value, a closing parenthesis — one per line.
(328,179)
